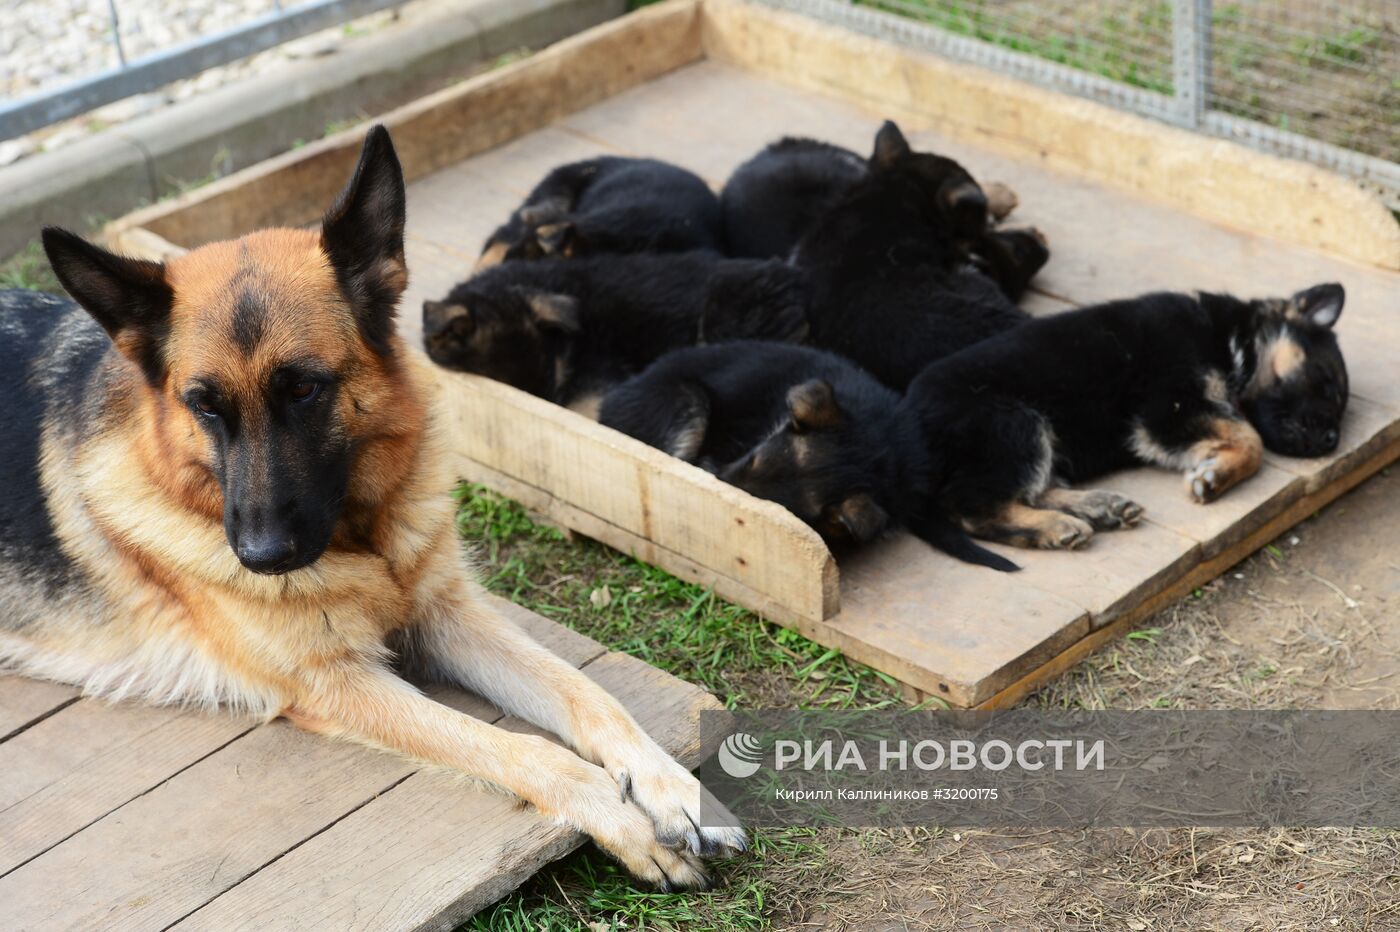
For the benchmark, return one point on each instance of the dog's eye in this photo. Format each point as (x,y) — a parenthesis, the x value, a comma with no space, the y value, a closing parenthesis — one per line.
(305,390)
(205,408)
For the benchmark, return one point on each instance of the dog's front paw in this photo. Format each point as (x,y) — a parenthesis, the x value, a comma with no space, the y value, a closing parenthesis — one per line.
(1205,480)
(670,795)
(586,796)
(1001,200)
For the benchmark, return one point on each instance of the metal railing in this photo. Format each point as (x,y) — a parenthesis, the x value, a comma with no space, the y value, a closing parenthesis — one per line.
(1318,81)
(186,60)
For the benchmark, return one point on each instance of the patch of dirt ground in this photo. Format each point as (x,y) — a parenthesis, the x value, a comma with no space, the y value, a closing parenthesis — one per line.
(1312,621)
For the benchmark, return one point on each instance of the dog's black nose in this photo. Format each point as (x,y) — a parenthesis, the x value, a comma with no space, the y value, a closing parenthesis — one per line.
(270,554)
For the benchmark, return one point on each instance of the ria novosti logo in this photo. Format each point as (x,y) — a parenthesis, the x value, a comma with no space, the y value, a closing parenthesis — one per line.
(740,755)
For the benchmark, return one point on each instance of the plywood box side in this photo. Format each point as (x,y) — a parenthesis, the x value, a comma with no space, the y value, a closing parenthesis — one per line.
(1216,179)
(627,485)
(442,128)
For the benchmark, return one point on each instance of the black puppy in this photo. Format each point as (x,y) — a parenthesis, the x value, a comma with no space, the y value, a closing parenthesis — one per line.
(771,201)
(566,330)
(892,285)
(1199,384)
(609,205)
(795,425)
(792,424)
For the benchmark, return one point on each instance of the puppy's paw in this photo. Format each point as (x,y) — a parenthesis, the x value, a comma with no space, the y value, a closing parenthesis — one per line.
(1206,480)
(1107,510)
(1063,532)
(1001,200)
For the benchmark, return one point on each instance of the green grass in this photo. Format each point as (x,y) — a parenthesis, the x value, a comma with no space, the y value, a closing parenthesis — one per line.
(684,629)
(1112,47)
(587,893)
(29,269)
(674,625)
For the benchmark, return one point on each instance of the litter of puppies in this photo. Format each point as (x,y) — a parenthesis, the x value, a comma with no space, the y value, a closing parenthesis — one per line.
(925,397)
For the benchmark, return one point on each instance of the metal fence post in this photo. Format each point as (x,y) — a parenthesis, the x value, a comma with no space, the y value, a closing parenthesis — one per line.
(1191,23)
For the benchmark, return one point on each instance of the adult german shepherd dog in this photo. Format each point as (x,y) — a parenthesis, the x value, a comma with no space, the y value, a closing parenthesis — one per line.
(222,487)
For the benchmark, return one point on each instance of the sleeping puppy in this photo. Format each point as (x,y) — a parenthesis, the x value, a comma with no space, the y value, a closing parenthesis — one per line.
(566,330)
(791,424)
(609,205)
(771,201)
(1200,384)
(891,265)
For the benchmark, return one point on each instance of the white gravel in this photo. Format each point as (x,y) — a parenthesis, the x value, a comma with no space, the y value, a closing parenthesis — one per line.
(48,43)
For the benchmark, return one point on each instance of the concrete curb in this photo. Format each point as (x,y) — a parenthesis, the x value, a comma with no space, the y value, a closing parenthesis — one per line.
(432,45)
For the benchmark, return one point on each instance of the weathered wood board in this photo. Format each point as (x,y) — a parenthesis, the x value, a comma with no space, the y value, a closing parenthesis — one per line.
(124,816)
(1128,205)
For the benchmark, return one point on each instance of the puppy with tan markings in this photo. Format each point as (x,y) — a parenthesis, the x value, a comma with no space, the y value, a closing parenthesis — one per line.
(567,330)
(1200,384)
(223,487)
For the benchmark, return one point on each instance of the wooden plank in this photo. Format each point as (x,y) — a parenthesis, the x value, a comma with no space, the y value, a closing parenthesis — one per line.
(204,828)
(425,854)
(640,490)
(562,514)
(24,701)
(955,632)
(1116,571)
(442,128)
(79,764)
(1204,572)
(168,852)
(1222,523)
(1227,183)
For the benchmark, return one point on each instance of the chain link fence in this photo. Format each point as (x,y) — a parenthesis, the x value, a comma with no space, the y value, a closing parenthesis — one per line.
(1311,79)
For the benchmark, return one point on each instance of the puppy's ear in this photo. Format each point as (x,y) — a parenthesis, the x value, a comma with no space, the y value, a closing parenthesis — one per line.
(965,206)
(555,311)
(813,405)
(546,211)
(130,298)
(1320,305)
(557,239)
(362,233)
(861,518)
(438,316)
(890,146)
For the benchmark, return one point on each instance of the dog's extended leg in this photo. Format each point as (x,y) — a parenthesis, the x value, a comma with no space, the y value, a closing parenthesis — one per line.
(368,703)
(472,646)
(1024,526)
(1215,450)
(1103,509)
(1232,453)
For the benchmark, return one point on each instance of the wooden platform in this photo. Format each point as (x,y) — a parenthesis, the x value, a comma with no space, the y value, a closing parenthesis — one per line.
(1128,205)
(127,817)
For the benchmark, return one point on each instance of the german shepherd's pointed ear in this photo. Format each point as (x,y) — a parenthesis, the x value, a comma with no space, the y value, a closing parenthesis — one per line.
(130,298)
(1320,305)
(557,239)
(860,517)
(362,234)
(890,146)
(555,311)
(439,315)
(813,406)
